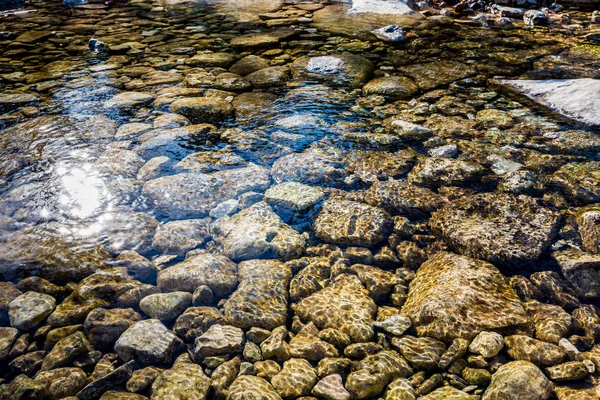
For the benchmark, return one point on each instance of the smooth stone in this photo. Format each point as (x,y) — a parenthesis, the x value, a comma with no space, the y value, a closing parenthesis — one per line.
(183,381)
(519,380)
(29,310)
(127,100)
(395,87)
(487,344)
(179,237)
(218,340)
(149,342)
(166,306)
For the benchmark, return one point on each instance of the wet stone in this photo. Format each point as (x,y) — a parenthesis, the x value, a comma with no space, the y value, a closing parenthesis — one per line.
(297,378)
(66,350)
(62,382)
(466,281)
(247,386)
(519,379)
(448,392)
(257,232)
(552,323)
(339,69)
(103,327)
(484,226)
(423,353)
(184,380)
(166,306)
(203,110)
(8,336)
(331,387)
(352,223)
(521,347)
(581,270)
(292,200)
(569,371)
(149,342)
(487,344)
(218,340)
(29,310)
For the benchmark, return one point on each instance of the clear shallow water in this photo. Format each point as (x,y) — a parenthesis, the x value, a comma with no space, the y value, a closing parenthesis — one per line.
(95,156)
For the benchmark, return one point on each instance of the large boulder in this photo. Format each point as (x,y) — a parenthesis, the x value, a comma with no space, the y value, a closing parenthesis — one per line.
(519,380)
(499,228)
(149,342)
(458,297)
(190,195)
(353,224)
(261,299)
(200,268)
(257,233)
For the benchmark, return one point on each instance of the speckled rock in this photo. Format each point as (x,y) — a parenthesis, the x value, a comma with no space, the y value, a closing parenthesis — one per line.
(261,297)
(29,310)
(292,200)
(313,276)
(22,387)
(400,389)
(7,338)
(142,379)
(423,353)
(331,387)
(266,369)
(297,378)
(487,344)
(467,282)
(200,268)
(275,346)
(103,327)
(62,382)
(344,305)
(224,375)
(138,266)
(116,395)
(105,285)
(166,306)
(352,223)
(372,374)
(501,229)
(519,380)
(569,371)
(182,382)
(308,346)
(315,167)
(257,233)
(521,347)
(394,324)
(8,292)
(269,77)
(149,342)
(588,222)
(251,387)
(579,181)
(178,237)
(190,195)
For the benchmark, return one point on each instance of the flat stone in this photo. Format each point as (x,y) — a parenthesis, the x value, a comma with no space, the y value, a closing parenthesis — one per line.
(341,69)
(293,199)
(166,306)
(579,181)
(465,281)
(569,371)
(183,381)
(501,229)
(33,36)
(128,100)
(149,342)
(223,60)
(394,87)
(200,268)
(582,270)
(118,377)
(203,110)
(331,387)
(423,353)
(438,73)
(575,99)
(352,224)
(521,347)
(448,392)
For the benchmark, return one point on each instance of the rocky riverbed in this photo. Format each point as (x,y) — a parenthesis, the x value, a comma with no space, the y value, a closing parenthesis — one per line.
(264,200)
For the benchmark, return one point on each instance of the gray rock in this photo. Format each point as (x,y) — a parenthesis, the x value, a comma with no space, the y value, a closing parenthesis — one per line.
(218,340)
(149,342)
(200,268)
(255,233)
(29,310)
(7,338)
(128,100)
(487,344)
(178,237)
(582,270)
(535,18)
(394,324)
(390,33)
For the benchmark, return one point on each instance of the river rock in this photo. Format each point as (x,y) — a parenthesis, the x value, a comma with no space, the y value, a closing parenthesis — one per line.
(178,237)
(203,110)
(580,182)
(293,200)
(128,100)
(486,226)
(487,344)
(250,387)
(394,87)
(435,172)
(331,387)
(29,310)
(62,382)
(8,336)
(448,392)
(222,60)
(581,270)
(342,69)
(219,340)
(149,342)
(261,297)
(103,327)
(390,33)
(371,375)
(249,64)
(197,320)
(190,195)
(183,381)
(166,306)
(96,388)
(66,350)
(437,73)
(257,232)
(351,223)
(315,167)
(297,378)
(423,353)
(343,305)
(200,268)
(519,380)
(23,387)
(569,371)
(466,281)
(521,347)
(269,77)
